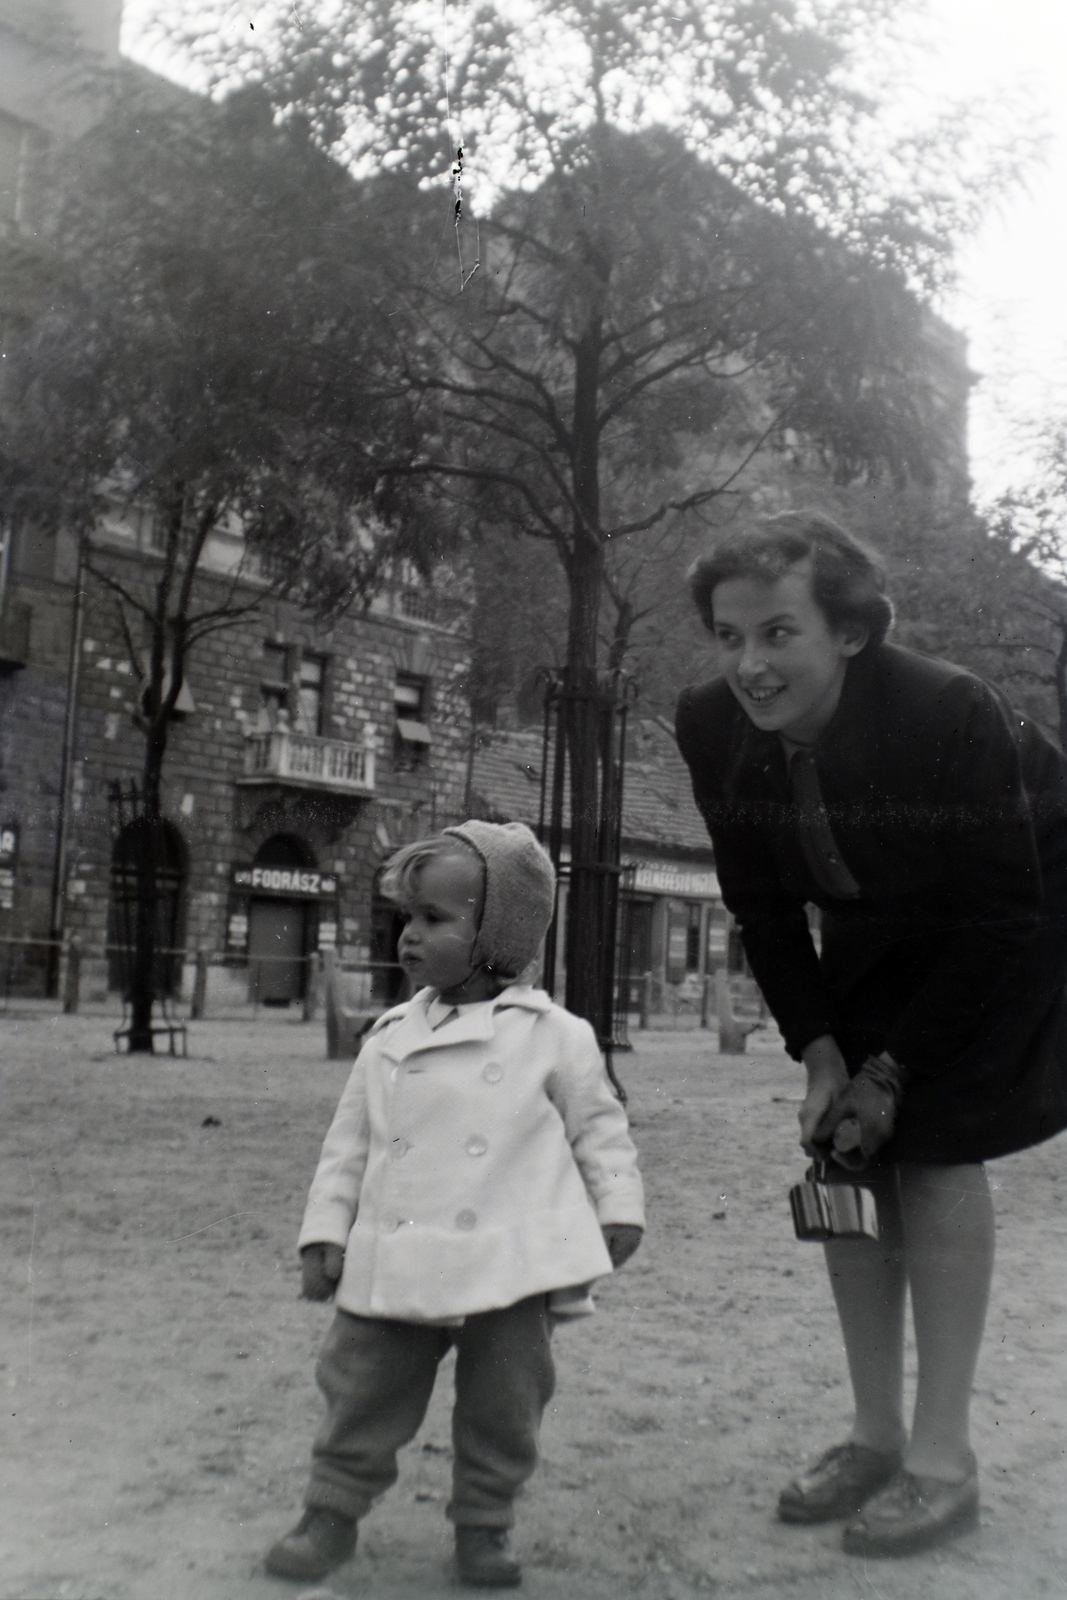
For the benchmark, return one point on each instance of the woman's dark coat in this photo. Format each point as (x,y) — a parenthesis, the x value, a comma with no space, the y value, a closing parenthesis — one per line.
(950,811)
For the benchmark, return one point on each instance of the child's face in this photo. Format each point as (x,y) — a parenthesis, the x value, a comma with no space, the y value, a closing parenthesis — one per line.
(441,922)
(784,661)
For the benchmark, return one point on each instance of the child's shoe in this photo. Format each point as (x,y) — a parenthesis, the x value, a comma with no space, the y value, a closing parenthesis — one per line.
(483,1559)
(322,1540)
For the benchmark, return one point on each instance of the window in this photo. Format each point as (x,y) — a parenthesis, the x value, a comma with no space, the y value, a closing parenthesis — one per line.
(33,551)
(683,940)
(310,683)
(692,940)
(410,699)
(717,931)
(637,935)
(275,685)
(149,529)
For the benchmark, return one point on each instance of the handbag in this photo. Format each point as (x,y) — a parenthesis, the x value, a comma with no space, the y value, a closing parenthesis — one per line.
(824,1210)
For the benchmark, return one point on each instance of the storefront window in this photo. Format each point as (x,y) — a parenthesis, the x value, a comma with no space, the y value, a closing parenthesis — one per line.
(692,940)
(717,920)
(637,935)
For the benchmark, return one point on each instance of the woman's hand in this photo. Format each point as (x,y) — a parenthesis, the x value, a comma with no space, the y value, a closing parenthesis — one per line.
(866,1111)
(827,1077)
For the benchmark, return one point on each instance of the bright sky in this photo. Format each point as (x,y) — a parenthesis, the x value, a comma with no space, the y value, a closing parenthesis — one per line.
(1012,302)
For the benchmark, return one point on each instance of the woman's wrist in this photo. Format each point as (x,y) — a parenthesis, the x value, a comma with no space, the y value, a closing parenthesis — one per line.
(887,1073)
(824,1061)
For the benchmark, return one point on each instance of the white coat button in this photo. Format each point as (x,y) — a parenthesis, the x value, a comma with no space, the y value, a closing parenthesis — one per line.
(477,1145)
(466,1220)
(390,1224)
(393,1070)
(399,1147)
(493,1072)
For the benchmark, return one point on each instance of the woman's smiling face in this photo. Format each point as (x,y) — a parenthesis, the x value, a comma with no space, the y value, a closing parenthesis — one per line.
(783,659)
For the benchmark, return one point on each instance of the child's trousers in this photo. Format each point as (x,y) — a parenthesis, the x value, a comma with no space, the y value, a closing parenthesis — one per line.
(378,1377)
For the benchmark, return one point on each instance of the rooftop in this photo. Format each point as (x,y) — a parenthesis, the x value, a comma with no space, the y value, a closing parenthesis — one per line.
(657,804)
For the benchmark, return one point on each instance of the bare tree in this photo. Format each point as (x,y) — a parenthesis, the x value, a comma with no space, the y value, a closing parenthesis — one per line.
(690,224)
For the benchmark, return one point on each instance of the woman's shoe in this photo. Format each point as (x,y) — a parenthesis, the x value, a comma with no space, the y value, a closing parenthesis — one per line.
(913,1513)
(321,1541)
(837,1485)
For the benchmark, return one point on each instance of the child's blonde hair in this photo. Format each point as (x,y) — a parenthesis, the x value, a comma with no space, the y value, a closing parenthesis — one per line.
(399,881)
(518,888)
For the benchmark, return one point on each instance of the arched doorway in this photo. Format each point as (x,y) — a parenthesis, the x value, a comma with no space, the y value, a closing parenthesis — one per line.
(156,852)
(281,929)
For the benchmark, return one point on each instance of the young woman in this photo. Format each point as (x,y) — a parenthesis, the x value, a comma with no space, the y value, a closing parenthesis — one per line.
(928,821)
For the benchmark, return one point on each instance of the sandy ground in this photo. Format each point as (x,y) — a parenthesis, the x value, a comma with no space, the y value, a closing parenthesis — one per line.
(158,1363)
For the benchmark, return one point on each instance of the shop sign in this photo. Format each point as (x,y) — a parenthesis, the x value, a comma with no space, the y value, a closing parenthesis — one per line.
(663,877)
(299,882)
(9,849)
(237,931)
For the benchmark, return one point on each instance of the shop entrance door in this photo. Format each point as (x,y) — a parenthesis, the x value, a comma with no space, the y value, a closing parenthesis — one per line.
(277,942)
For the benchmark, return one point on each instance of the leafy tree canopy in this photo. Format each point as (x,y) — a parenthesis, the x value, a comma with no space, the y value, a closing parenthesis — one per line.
(785,98)
(693,223)
(694,231)
(207,286)
(207,266)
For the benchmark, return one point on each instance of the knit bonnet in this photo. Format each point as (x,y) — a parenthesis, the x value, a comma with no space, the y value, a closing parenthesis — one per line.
(520,894)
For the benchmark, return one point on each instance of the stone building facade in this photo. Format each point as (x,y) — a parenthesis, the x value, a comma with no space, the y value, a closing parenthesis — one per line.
(300,758)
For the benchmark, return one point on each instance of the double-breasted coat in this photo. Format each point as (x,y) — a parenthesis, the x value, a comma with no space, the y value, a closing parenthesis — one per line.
(950,811)
(472,1164)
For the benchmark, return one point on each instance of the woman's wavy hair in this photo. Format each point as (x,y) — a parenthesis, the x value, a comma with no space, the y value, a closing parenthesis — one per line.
(847,580)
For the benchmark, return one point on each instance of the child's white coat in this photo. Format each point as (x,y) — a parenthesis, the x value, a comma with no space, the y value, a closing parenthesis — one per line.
(471,1165)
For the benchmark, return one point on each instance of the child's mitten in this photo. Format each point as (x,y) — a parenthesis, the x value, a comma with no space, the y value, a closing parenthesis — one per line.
(622,1239)
(321,1267)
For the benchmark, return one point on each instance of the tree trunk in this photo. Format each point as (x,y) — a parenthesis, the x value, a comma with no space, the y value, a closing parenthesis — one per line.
(582,707)
(582,711)
(146,959)
(1061,682)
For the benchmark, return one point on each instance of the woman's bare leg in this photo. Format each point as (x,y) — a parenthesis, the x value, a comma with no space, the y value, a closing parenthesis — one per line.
(870,1288)
(948,1240)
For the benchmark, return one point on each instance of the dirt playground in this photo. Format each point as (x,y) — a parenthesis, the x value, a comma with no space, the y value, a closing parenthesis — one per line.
(158,1364)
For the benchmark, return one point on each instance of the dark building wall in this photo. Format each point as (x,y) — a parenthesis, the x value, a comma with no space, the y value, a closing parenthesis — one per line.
(223,821)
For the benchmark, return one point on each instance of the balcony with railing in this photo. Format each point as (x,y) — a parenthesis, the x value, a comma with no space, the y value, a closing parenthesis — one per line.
(303,761)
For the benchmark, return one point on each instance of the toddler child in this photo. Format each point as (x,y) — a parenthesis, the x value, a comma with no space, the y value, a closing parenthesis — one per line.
(477,1176)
